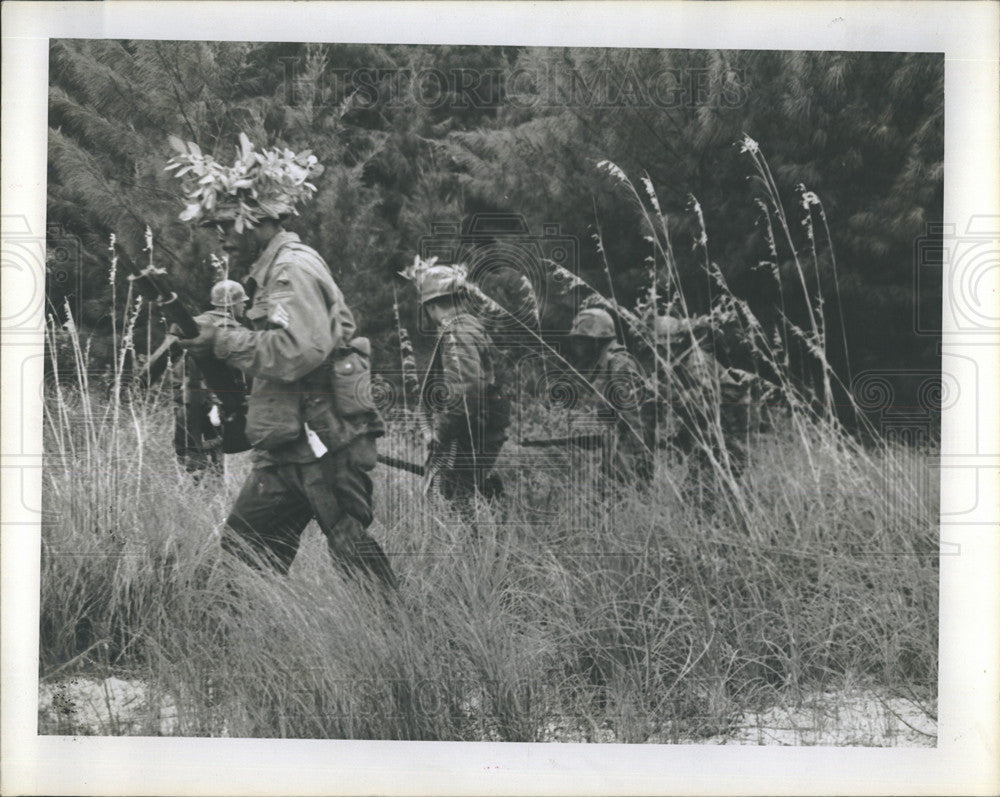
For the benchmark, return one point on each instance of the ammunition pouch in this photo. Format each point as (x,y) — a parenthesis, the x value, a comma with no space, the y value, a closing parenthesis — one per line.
(351,379)
(335,401)
(497,415)
(337,398)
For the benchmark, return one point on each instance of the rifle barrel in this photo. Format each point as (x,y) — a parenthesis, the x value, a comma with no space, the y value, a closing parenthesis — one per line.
(585,440)
(401,464)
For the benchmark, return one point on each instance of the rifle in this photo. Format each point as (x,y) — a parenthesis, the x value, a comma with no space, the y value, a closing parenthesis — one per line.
(437,461)
(590,441)
(146,375)
(153,284)
(402,464)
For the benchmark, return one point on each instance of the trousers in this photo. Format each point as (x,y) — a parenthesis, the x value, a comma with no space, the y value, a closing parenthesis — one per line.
(278,500)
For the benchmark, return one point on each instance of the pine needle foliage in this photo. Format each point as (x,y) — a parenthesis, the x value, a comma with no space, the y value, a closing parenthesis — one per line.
(413,136)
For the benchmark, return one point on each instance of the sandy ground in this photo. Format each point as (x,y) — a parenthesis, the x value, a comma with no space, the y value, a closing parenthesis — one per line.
(112,707)
(860,718)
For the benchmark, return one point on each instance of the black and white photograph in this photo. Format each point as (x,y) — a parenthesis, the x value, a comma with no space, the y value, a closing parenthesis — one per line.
(524,390)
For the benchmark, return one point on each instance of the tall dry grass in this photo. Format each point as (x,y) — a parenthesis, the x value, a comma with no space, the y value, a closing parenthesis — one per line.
(657,619)
(567,613)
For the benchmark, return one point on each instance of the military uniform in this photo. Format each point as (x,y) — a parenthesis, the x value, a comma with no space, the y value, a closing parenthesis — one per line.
(199,419)
(620,393)
(301,325)
(703,383)
(623,408)
(468,411)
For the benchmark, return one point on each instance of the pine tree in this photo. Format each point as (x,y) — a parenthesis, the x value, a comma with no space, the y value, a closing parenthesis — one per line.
(414,136)
(862,130)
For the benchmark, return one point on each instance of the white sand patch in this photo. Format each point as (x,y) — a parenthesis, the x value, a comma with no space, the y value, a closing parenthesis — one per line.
(846,718)
(112,707)
(849,718)
(861,718)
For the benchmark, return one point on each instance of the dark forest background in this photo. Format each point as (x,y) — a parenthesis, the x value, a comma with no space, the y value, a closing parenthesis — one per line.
(418,136)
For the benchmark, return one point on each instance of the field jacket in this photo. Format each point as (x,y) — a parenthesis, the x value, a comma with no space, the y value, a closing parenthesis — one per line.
(624,405)
(461,391)
(299,319)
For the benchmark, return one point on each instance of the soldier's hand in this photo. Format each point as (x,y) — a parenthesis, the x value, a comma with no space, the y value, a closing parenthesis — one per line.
(203,343)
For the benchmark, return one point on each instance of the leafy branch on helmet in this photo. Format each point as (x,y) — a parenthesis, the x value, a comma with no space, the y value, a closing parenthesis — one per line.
(259,184)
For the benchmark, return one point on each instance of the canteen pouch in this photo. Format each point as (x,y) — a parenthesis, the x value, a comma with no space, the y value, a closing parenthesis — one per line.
(337,394)
(351,377)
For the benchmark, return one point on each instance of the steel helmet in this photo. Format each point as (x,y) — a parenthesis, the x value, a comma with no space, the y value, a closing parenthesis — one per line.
(438,281)
(593,323)
(228,293)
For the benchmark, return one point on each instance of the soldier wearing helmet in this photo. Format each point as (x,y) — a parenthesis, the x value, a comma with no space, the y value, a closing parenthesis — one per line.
(461,394)
(311,424)
(230,295)
(717,407)
(620,394)
(200,424)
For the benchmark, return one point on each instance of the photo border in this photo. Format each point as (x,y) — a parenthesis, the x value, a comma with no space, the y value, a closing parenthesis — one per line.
(965,760)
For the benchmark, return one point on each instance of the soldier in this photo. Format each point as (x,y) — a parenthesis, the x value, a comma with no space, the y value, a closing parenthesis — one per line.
(620,393)
(312,428)
(468,412)
(199,422)
(703,384)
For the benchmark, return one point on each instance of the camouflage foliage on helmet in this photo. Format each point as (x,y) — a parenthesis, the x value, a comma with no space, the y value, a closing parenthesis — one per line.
(259,184)
(433,281)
